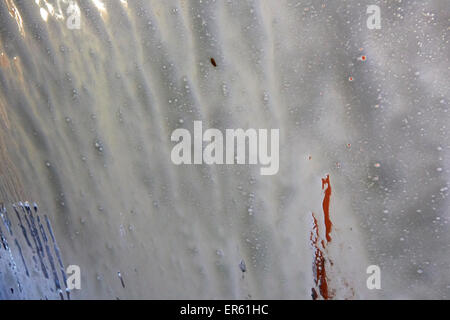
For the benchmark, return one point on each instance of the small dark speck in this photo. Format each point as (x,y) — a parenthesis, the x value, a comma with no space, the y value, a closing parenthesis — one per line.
(213,62)
(242,266)
(121,279)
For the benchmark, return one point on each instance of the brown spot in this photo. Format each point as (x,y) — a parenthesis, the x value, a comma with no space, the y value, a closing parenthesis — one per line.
(213,62)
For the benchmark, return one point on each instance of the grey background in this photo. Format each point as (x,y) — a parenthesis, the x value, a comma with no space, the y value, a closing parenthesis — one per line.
(86,117)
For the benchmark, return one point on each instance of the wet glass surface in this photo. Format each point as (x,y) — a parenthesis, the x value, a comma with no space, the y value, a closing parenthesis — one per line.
(92,91)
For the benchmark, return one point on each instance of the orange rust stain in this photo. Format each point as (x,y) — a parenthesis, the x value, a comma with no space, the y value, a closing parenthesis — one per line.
(320,246)
(320,272)
(326,206)
(314,237)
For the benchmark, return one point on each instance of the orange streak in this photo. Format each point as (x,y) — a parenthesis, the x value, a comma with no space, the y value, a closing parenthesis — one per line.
(319,264)
(320,273)
(326,207)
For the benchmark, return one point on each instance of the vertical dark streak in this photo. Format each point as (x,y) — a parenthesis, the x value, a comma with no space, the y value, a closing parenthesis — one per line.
(56,248)
(49,254)
(24,231)
(36,233)
(44,269)
(21,256)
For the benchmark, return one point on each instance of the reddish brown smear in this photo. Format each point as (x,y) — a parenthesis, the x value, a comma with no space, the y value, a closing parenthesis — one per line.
(213,62)
(326,206)
(319,264)
(320,273)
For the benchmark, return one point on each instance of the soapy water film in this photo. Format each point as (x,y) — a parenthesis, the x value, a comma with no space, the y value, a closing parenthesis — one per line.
(86,176)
